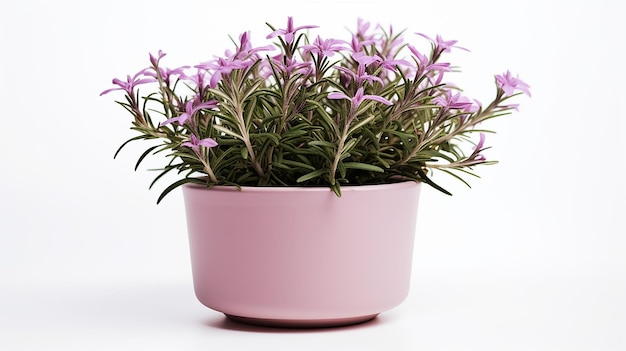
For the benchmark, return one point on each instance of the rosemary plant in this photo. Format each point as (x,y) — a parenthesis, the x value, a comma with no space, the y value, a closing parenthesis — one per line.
(313,112)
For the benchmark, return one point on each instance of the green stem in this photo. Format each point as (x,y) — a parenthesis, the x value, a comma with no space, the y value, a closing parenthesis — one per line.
(207,167)
(246,139)
(342,143)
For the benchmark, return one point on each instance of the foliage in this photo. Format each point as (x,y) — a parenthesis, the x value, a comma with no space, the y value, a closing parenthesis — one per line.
(322,112)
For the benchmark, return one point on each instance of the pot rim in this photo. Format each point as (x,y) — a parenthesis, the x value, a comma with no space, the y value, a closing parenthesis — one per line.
(344,188)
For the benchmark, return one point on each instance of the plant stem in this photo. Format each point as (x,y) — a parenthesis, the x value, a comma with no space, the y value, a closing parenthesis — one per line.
(342,143)
(246,139)
(204,158)
(209,171)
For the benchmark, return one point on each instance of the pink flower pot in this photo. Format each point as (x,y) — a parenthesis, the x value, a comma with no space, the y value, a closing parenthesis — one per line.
(302,257)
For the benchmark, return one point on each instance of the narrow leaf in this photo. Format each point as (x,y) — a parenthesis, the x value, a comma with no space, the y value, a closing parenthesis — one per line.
(321,143)
(126,142)
(227,131)
(164,172)
(179,183)
(363,167)
(145,153)
(312,175)
(430,182)
(298,164)
(360,124)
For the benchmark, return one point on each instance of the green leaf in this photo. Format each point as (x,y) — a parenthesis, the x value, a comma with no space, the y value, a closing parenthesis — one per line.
(298,164)
(430,182)
(272,136)
(179,183)
(349,145)
(245,176)
(312,175)
(126,142)
(369,135)
(145,153)
(382,161)
(322,112)
(360,124)
(456,176)
(164,172)
(341,167)
(336,189)
(280,165)
(363,167)
(254,87)
(322,143)
(227,131)
(223,95)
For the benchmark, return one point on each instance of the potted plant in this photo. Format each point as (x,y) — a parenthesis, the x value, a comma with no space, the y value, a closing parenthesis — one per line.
(301,164)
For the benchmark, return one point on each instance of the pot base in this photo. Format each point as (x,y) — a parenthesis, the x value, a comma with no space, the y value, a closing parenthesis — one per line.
(302,323)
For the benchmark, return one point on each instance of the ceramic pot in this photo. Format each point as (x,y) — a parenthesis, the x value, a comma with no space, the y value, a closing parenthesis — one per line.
(301,256)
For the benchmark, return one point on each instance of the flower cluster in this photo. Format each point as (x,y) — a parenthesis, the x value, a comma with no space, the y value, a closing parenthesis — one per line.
(320,112)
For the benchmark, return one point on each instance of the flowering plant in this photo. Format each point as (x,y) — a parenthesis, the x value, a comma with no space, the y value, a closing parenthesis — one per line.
(321,112)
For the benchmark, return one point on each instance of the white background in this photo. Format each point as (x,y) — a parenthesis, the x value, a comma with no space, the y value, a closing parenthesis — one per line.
(530,258)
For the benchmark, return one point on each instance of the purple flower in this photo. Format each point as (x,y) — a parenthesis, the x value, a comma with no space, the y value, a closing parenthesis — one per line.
(131,82)
(442,45)
(166,73)
(377,61)
(289,32)
(195,144)
(360,75)
(246,50)
(390,45)
(456,101)
(364,59)
(198,79)
(358,98)
(509,84)
(362,27)
(481,142)
(424,64)
(326,47)
(190,110)
(391,64)
(221,66)
(357,44)
(476,156)
(361,38)
(290,65)
(155,60)
(510,106)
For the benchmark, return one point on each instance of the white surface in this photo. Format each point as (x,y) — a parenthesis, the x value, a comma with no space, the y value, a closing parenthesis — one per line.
(531,258)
